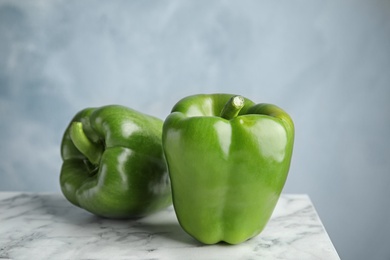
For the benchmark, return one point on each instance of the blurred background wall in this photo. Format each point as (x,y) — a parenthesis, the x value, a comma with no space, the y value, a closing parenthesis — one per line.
(326,62)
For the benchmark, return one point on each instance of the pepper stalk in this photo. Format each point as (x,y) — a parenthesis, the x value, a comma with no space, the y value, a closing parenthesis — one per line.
(232,107)
(92,151)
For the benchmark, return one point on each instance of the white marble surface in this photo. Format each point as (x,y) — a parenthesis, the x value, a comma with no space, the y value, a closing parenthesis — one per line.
(46,226)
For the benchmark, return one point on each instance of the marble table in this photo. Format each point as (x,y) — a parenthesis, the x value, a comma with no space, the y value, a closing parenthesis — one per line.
(46,226)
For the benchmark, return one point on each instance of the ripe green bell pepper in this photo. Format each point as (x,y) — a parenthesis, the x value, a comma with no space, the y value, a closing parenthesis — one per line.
(113,163)
(228,161)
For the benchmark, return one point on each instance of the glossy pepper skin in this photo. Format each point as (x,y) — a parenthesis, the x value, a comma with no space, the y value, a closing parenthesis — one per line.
(228,163)
(113,163)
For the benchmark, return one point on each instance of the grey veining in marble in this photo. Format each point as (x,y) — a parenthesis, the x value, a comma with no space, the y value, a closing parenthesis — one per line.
(46,226)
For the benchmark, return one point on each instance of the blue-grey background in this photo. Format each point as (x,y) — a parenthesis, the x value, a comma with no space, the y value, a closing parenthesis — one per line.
(326,62)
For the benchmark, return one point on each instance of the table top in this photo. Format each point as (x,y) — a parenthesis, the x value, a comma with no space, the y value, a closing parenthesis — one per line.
(47,226)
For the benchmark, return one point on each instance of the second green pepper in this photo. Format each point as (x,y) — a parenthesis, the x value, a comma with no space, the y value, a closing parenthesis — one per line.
(113,163)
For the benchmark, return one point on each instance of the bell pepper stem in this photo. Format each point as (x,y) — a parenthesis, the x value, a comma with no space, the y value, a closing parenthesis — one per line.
(89,149)
(232,107)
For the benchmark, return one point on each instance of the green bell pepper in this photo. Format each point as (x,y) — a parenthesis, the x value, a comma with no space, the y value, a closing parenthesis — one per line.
(113,163)
(228,161)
